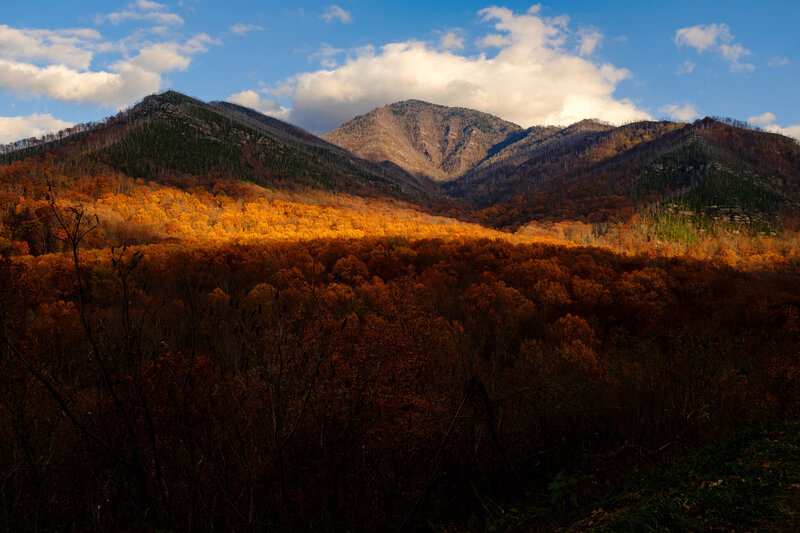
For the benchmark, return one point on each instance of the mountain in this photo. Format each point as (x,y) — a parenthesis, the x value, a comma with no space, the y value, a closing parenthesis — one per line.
(437,142)
(171,136)
(498,177)
(709,168)
(590,170)
(494,172)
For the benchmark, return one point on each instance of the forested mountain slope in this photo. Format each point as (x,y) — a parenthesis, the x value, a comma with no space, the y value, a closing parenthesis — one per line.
(171,136)
(708,168)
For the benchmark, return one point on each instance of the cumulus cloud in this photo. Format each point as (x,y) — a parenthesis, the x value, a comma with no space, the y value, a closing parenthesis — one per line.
(789,131)
(66,75)
(335,12)
(71,47)
(141,10)
(703,37)
(762,119)
(244,29)
(589,38)
(684,113)
(23,127)
(767,122)
(531,79)
(253,100)
(493,40)
(451,41)
(162,57)
(125,84)
(715,37)
(732,53)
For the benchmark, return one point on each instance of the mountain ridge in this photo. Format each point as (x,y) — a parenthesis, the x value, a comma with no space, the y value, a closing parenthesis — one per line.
(171,135)
(489,170)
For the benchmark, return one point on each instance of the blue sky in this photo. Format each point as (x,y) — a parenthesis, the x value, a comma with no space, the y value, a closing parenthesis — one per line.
(318,64)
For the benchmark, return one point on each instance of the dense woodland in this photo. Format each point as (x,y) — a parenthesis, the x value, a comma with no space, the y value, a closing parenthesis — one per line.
(198,351)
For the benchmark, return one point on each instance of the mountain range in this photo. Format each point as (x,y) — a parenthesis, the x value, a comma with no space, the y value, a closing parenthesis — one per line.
(170,136)
(589,170)
(457,158)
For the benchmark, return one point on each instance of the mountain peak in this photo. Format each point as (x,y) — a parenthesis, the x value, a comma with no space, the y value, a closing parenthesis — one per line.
(430,140)
(170,97)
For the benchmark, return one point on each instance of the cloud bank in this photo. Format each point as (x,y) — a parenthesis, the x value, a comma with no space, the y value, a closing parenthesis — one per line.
(536,76)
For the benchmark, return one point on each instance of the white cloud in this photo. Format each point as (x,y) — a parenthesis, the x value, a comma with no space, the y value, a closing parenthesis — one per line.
(336,12)
(451,41)
(716,37)
(282,90)
(244,29)
(141,10)
(778,61)
(684,113)
(703,37)
(23,127)
(126,83)
(532,78)
(767,122)
(327,56)
(762,119)
(71,47)
(252,100)
(162,57)
(732,53)
(68,78)
(493,40)
(789,131)
(589,38)
(147,5)
(686,68)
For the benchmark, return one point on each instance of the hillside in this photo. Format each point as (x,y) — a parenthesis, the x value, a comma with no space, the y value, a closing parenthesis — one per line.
(171,136)
(706,169)
(434,141)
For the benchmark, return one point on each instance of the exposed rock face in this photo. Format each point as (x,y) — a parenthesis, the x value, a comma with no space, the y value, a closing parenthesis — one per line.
(429,140)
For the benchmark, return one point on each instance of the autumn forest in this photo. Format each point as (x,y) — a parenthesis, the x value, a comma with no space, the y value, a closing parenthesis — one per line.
(212,320)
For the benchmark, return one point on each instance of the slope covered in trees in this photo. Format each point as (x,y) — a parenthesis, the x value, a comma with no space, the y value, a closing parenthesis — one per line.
(708,169)
(377,383)
(171,136)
